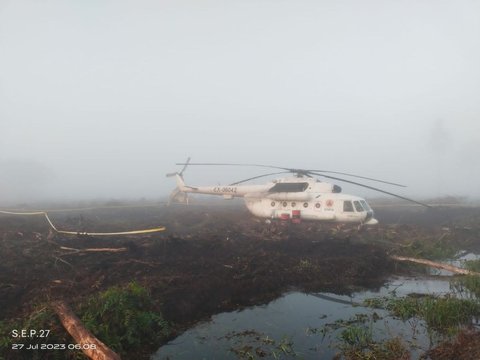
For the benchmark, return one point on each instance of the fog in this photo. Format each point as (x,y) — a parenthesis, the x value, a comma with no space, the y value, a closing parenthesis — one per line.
(100,99)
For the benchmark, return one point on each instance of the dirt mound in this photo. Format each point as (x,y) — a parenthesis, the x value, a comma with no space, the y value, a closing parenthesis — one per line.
(466,346)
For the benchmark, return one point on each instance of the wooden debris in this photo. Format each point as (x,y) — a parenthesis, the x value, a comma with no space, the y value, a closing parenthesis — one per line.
(95,249)
(148,263)
(90,345)
(436,265)
(63,261)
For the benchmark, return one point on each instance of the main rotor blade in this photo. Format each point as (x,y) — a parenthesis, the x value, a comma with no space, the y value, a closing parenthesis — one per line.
(257,177)
(372,188)
(358,176)
(237,164)
(293,170)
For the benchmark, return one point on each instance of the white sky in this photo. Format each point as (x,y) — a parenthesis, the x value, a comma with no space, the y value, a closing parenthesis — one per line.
(101,98)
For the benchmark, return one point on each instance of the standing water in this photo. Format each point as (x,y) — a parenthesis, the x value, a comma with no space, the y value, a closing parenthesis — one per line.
(307,326)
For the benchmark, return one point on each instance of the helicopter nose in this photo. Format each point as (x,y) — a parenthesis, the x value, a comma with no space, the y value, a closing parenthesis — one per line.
(371,221)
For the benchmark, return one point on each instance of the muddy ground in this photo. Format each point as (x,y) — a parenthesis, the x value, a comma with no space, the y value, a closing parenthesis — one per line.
(211,258)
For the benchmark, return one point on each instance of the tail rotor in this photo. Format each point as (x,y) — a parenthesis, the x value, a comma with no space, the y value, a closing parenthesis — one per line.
(177,195)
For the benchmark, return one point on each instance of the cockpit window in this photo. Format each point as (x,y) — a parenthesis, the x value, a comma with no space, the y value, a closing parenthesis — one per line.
(358,206)
(347,206)
(365,205)
(289,187)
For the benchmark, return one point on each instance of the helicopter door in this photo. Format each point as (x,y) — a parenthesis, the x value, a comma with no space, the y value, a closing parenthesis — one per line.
(348,210)
(347,206)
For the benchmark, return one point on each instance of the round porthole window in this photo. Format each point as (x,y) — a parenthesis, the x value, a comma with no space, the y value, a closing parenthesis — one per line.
(317,205)
(305,205)
(272,203)
(294,204)
(284,204)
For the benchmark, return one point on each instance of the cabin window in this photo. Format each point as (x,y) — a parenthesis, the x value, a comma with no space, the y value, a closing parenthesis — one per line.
(294,204)
(347,206)
(317,205)
(272,203)
(284,204)
(305,205)
(289,187)
(358,206)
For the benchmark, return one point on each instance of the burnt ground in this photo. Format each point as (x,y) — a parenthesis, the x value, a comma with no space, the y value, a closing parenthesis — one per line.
(211,258)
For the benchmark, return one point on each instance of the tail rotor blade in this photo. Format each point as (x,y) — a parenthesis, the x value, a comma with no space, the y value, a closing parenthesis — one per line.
(184,167)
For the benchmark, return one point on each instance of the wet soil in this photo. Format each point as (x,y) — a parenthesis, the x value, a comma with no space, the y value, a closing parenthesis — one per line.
(211,258)
(466,346)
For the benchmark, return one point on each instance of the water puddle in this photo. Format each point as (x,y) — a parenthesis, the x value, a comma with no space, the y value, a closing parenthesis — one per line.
(307,326)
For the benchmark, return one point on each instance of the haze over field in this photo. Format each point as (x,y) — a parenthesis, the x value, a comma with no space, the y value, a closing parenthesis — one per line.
(99,99)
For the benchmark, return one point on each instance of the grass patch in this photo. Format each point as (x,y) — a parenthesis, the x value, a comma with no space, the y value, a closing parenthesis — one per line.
(250,344)
(391,349)
(305,266)
(357,341)
(445,315)
(357,336)
(469,284)
(432,250)
(123,318)
(41,318)
(473,265)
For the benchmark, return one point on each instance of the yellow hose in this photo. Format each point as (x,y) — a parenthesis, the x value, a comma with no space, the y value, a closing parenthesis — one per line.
(133,232)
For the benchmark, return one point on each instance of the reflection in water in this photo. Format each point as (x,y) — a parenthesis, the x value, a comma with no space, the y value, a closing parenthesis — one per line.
(300,324)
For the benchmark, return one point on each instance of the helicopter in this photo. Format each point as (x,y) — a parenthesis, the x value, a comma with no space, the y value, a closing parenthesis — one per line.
(298,197)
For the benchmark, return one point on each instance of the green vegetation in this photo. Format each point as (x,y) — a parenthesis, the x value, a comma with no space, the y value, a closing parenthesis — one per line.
(123,318)
(469,285)
(356,340)
(473,265)
(305,266)
(12,346)
(250,344)
(447,314)
(357,336)
(284,347)
(442,314)
(392,349)
(432,250)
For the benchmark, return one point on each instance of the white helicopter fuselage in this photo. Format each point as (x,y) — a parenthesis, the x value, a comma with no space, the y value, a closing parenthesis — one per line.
(293,198)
